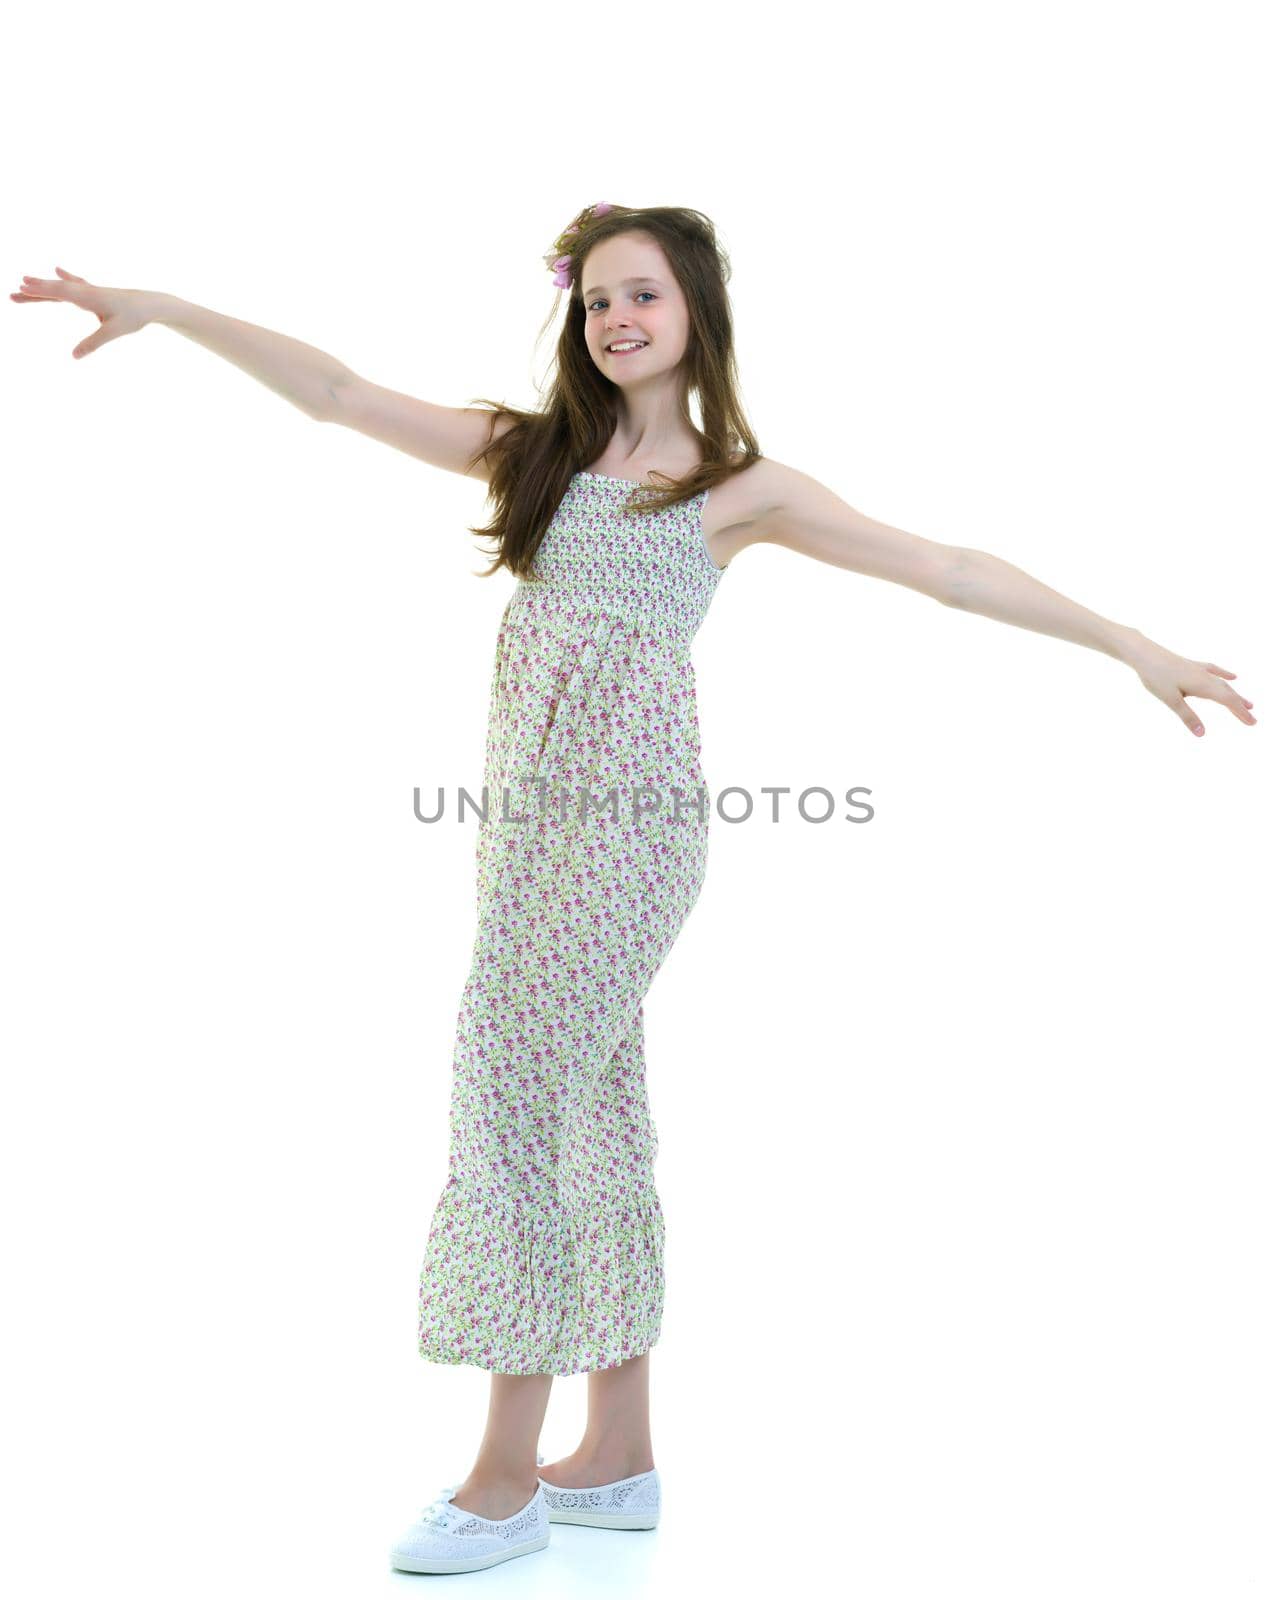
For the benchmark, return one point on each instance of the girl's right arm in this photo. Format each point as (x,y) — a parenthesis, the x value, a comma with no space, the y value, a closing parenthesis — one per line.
(317,383)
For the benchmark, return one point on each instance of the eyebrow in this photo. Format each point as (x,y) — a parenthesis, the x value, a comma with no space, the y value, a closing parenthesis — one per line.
(625,282)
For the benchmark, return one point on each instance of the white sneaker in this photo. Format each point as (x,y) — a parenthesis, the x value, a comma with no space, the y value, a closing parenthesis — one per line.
(447,1538)
(627,1503)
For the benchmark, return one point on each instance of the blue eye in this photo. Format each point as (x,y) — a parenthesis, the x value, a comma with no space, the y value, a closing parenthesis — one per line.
(649,292)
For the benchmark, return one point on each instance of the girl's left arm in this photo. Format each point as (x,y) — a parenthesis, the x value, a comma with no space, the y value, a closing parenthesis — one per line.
(801,514)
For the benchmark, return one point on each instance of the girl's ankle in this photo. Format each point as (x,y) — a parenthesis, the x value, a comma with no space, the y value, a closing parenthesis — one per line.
(613,1464)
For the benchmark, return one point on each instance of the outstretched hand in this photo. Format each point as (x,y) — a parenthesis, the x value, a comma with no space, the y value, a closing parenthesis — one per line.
(1170,677)
(119,311)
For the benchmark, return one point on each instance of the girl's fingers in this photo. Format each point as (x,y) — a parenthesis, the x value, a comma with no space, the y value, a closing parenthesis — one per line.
(98,337)
(1226,696)
(1216,691)
(1239,705)
(50,283)
(1236,703)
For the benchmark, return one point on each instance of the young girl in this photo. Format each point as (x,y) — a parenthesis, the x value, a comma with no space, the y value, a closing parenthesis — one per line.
(618,517)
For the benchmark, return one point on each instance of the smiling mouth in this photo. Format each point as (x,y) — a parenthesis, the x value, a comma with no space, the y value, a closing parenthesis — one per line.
(630,347)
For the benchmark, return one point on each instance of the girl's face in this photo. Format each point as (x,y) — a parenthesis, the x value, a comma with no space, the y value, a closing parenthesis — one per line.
(630,293)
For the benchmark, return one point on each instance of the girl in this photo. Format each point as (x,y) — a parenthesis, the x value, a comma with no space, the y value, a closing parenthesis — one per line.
(618,517)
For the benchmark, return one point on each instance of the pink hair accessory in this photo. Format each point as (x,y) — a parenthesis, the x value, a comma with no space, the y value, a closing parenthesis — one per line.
(559,259)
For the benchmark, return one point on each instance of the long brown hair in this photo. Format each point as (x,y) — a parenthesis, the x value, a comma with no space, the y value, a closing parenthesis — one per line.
(532,461)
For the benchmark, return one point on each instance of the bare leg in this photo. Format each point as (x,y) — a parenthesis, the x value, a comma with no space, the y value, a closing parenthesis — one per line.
(616,1443)
(505,1475)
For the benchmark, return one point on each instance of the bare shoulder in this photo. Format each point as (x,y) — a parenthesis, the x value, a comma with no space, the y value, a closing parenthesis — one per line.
(738,511)
(791,509)
(787,504)
(745,497)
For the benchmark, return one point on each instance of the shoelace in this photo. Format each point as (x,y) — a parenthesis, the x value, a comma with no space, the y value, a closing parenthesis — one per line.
(443,1512)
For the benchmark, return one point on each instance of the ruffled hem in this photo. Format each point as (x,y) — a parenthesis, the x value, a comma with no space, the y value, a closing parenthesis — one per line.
(575,1291)
(445,1357)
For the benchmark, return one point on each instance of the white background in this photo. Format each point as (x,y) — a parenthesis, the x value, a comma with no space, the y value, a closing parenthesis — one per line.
(967,1115)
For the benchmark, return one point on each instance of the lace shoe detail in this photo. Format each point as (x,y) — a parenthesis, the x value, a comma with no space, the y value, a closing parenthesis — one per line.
(460,1523)
(444,1530)
(640,1493)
